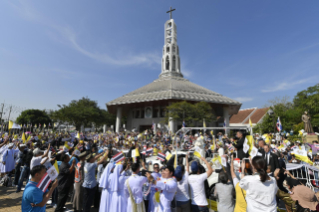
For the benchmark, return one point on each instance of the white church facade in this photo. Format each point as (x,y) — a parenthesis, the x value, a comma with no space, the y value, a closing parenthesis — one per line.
(147,105)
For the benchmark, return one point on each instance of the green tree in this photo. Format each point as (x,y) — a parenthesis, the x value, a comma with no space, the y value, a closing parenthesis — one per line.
(290,112)
(308,100)
(83,112)
(192,114)
(35,117)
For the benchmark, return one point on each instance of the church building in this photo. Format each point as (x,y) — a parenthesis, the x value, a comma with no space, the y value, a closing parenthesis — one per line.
(147,105)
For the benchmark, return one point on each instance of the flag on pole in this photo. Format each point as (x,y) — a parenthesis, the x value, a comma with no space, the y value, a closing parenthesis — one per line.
(279,126)
(49,124)
(24,126)
(149,151)
(302,155)
(197,152)
(175,160)
(67,145)
(168,156)
(184,125)
(23,138)
(250,123)
(10,124)
(161,156)
(204,123)
(56,166)
(35,125)
(118,157)
(137,152)
(44,182)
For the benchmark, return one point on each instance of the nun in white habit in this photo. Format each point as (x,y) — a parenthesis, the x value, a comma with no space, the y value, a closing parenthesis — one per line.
(104,184)
(119,200)
(2,150)
(8,158)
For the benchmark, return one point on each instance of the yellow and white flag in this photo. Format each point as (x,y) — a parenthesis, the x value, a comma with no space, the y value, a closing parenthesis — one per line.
(197,152)
(302,155)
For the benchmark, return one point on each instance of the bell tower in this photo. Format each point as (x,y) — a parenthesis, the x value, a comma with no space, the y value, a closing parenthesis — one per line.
(171,63)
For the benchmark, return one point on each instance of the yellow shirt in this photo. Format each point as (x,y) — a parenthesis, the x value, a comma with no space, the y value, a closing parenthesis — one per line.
(241,204)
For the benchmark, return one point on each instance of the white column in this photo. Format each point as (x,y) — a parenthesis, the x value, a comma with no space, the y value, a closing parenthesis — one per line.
(118,119)
(171,124)
(226,116)
(104,128)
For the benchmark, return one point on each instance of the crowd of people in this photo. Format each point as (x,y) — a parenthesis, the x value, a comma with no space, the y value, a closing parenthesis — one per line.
(112,172)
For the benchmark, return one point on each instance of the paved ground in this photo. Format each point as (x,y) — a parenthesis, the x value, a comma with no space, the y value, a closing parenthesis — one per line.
(11,201)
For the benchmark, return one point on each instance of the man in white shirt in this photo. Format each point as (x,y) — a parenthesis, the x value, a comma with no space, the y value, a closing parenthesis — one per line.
(166,187)
(197,187)
(37,157)
(133,190)
(182,193)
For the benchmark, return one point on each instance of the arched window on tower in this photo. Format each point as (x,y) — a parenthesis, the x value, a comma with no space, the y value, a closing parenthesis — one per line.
(167,63)
(173,48)
(169,25)
(174,63)
(167,49)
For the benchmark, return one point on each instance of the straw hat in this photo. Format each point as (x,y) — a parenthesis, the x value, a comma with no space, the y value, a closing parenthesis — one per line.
(305,196)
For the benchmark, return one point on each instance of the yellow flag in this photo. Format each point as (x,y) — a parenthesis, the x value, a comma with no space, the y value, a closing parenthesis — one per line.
(137,152)
(175,160)
(67,145)
(212,147)
(250,123)
(155,151)
(44,125)
(23,138)
(204,123)
(250,142)
(56,166)
(302,156)
(197,154)
(218,158)
(10,124)
(168,156)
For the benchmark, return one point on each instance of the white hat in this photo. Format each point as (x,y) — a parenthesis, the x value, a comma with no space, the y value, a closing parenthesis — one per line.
(23,145)
(298,142)
(37,151)
(10,145)
(196,135)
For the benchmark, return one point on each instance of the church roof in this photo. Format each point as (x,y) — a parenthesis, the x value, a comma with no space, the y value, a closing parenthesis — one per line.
(173,88)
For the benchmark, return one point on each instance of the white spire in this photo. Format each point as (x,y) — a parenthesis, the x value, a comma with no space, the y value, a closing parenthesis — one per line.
(170,60)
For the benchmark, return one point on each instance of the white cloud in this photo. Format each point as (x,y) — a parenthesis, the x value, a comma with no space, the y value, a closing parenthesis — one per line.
(243,99)
(287,85)
(129,58)
(187,73)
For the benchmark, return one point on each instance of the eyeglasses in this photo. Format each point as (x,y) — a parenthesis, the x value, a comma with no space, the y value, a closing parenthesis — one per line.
(156,167)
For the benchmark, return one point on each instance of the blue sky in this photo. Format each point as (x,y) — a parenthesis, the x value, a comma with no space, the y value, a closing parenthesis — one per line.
(52,52)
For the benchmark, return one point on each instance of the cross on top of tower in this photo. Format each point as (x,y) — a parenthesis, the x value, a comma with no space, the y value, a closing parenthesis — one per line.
(170,12)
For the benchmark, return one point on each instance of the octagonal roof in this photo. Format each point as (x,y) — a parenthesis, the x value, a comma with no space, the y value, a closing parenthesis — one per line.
(173,88)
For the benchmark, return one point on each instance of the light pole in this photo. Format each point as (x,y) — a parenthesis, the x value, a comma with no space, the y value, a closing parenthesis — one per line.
(272,114)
